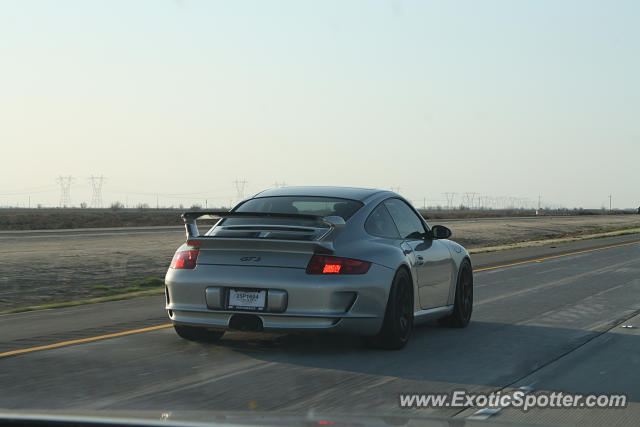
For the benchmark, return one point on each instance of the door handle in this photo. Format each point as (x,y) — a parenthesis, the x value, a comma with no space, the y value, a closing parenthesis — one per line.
(420,259)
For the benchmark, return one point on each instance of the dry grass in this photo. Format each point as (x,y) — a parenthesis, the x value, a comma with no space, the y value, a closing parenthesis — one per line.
(465,213)
(533,243)
(103,293)
(118,297)
(52,219)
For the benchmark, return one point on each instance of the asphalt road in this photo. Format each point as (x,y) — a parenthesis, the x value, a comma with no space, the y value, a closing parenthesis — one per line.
(550,324)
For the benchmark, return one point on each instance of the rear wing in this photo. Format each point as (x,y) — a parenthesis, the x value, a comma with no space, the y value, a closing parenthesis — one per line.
(323,242)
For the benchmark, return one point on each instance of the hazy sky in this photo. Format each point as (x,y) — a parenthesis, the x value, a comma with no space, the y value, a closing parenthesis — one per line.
(180,98)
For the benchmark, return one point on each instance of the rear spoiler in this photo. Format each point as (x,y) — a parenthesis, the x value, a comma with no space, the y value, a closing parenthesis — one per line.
(190,218)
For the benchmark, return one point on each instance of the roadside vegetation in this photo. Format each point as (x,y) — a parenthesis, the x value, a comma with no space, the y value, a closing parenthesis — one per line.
(54,219)
(467,213)
(139,288)
(136,286)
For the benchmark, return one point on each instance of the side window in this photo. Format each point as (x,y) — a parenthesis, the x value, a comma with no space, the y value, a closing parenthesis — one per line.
(406,220)
(380,223)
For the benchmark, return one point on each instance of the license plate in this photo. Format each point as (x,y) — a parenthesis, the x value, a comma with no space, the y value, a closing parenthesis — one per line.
(240,299)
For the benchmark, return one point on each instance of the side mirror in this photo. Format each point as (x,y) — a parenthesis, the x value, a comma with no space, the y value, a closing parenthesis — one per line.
(440,232)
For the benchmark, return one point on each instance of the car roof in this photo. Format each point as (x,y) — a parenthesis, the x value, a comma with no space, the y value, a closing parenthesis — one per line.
(352,193)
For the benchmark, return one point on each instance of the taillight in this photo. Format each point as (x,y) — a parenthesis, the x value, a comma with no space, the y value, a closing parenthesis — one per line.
(185,259)
(323,264)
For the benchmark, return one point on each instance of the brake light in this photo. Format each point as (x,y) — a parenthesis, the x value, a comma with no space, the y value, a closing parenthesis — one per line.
(322,264)
(331,268)
(185,259)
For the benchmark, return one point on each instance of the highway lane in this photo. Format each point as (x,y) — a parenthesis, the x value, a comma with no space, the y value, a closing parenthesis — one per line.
(43,327)
(536,324)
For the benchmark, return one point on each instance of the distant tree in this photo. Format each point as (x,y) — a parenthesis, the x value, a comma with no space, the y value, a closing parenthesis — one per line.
(83,205)
(116,206)
(142,206)
(195,207)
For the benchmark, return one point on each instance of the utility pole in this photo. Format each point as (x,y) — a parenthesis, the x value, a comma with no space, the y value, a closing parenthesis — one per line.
(609,203)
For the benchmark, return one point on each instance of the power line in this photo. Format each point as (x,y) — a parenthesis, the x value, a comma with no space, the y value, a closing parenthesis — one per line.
(31,190)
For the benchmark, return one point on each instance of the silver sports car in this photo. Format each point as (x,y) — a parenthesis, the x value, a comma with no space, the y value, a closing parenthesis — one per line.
(351,260)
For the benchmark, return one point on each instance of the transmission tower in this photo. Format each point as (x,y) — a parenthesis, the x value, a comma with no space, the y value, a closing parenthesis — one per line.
(449,197)
(96,184)
(470,199)
(65,190)
(240,188)
(484,202)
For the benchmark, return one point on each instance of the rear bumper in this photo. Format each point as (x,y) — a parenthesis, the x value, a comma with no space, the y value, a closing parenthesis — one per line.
(335,303)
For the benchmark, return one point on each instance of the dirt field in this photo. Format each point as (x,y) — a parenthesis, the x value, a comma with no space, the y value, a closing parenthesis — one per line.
(52,219)
(52,266)
(474,233)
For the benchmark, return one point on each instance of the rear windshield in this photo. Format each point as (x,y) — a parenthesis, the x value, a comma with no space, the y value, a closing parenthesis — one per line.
(307,205)
(320,206)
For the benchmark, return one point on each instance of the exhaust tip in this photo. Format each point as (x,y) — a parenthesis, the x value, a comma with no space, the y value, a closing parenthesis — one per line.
(246,322)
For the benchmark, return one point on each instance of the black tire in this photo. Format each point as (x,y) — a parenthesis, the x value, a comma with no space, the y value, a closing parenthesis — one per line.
(398,318)
(463,301)
(193,333)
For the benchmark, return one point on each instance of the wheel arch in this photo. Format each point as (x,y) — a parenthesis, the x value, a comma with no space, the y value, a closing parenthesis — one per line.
(404,266)
(457,262)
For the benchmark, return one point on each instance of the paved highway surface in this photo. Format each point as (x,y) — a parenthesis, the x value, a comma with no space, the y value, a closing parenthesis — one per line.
(541,319)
